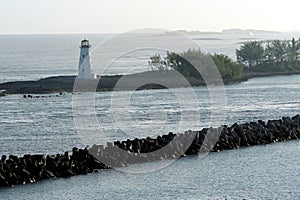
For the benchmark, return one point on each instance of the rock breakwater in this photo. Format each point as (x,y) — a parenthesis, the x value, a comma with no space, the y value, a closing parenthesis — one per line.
(31,168)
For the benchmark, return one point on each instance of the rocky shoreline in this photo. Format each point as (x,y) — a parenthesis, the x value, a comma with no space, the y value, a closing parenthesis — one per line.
(32,168)
(59,84)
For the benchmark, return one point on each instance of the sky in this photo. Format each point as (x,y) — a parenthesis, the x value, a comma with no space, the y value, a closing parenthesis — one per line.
(115,16)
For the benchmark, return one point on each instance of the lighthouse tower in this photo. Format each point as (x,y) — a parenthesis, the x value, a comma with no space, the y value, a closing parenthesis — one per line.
(85,70)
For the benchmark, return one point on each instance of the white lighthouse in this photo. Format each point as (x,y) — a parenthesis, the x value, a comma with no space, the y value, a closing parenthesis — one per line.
(85,70)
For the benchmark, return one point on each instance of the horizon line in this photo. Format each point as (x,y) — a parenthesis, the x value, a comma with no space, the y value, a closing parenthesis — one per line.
(178,30)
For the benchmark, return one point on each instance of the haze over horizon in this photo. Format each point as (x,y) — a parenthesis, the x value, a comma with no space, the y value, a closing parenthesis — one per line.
(115,16)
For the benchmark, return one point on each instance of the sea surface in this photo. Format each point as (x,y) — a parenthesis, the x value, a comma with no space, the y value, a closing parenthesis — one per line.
(48,125)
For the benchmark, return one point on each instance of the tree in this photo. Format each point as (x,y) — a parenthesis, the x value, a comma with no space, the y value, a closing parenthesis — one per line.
(250,54)
(293,52)
(228,68)
(193,63)
(188,63)
(276,52)
(157,63)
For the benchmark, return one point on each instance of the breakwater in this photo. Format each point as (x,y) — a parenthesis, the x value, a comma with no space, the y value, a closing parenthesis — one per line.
(31,168)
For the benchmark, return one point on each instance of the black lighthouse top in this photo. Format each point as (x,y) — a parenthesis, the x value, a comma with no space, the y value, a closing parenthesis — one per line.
(85,43)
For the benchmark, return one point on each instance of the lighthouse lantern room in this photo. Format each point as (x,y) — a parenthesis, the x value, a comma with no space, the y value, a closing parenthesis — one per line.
(85,70)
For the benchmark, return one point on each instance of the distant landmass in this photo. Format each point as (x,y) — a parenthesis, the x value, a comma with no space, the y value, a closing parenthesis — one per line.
(193,32)
(226,31)
(247,31)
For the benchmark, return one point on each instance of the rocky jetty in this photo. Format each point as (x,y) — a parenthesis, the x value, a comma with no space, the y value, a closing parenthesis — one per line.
(31,168)
(29,96)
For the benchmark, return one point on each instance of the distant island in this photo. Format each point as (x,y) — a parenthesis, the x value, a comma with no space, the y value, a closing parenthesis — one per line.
(246,31)
(226,31)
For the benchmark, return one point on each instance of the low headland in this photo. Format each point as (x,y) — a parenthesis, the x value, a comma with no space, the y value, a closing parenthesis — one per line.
(253,59)
(61,84)
(32,168)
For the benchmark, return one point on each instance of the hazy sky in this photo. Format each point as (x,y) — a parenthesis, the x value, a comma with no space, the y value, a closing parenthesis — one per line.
(96,16)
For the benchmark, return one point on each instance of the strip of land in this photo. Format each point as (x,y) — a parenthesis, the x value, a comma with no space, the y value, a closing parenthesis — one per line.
(58,84)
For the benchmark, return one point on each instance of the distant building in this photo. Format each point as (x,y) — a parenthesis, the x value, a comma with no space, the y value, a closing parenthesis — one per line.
(85,70)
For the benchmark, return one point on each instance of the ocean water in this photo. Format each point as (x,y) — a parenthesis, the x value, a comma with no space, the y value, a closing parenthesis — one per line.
(47,126)
(259,172)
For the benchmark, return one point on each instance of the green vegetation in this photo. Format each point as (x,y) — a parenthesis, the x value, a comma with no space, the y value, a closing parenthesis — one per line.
(191,62)
(250,53)
(254,58)
(228,68)
(274,56)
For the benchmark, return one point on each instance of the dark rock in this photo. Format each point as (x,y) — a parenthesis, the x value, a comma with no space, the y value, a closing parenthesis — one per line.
(31,168)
